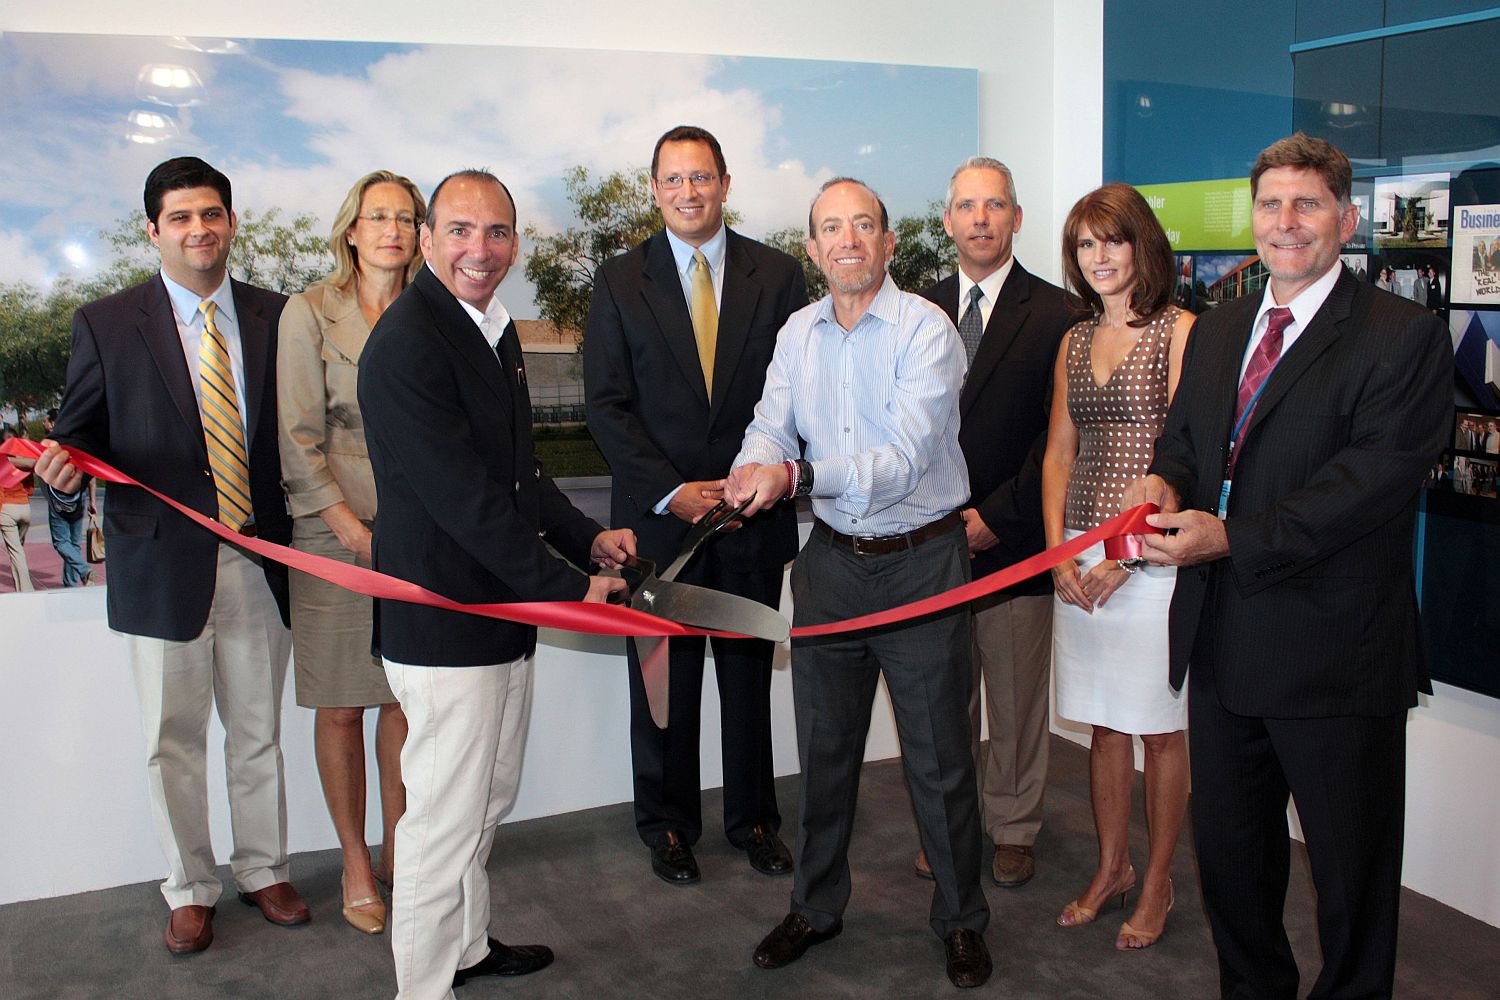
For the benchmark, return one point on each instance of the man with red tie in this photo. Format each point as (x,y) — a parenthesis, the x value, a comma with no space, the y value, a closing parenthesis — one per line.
(1304,425)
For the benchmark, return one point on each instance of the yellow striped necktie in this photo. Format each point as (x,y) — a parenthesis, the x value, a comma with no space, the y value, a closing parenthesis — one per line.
(223,431)
(705,317)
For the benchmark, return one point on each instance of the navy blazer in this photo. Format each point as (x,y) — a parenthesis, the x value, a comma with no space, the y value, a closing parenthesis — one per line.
(647,406)
(1314,612)
(464,507)
(1003,412)
(129,401)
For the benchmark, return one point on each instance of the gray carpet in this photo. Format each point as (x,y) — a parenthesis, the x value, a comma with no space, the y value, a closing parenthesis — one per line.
(581,883)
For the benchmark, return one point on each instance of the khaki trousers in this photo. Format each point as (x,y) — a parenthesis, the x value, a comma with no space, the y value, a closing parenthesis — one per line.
(1012,651)
(238,665)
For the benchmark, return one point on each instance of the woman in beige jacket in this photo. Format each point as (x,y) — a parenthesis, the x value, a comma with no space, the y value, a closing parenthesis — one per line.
(331,490)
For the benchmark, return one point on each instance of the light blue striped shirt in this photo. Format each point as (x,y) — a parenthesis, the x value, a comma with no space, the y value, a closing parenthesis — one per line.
(878,408)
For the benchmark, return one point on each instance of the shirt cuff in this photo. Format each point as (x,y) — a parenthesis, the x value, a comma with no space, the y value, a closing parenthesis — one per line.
(661,505)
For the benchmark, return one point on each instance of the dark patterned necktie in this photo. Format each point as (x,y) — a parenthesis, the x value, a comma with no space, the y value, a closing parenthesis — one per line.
(971,325)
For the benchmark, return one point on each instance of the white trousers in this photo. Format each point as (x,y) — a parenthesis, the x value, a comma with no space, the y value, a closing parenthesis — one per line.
(466,731)
(237,664)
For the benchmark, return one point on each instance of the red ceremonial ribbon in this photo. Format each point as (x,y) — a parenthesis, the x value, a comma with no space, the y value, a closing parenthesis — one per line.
(608,619)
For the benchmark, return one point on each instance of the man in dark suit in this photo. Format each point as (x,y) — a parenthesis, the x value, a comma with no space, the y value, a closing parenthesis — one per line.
(1293,496)
(675,356)
(466,511)
(1011,323)
(174,383)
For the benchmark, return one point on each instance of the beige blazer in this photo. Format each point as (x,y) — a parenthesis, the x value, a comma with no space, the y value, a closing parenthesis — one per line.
(323,454)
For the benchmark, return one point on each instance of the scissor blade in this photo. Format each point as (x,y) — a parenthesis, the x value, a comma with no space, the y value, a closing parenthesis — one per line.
(710,609)
(656,675)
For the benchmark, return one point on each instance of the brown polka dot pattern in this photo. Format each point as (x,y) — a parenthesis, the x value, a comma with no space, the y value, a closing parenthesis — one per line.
(1118,423)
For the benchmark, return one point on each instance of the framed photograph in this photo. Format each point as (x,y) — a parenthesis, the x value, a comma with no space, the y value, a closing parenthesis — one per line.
(1411,211)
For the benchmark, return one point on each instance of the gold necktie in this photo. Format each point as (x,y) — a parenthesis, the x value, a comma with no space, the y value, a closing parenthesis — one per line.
(223,431)
(705,318)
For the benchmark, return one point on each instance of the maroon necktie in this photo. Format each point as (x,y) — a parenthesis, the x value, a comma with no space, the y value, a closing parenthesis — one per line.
(1267,353)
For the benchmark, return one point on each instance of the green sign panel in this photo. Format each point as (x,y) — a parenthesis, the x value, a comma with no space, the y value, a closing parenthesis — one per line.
(1203,215)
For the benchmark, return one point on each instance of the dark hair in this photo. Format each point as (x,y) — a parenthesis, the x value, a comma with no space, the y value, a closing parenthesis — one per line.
(1118,212)
(178,173)
(468,173)
(690,133)
(1303,152)
(52,413)
(885,219)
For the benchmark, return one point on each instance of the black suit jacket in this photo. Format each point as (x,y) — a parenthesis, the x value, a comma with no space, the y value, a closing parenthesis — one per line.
(464,505)
(647,406)
(129,401)
(1313,613)
(1003,411)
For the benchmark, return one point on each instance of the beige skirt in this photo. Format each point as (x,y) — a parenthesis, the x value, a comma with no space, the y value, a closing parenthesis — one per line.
(331,631)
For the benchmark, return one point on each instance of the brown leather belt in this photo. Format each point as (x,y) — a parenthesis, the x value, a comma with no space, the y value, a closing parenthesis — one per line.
(879,545)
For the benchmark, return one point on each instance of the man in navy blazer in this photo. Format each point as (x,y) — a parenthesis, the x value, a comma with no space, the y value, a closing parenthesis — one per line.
(204,621)
(669,439)
(1295,619)
(466,511)
(1016,324)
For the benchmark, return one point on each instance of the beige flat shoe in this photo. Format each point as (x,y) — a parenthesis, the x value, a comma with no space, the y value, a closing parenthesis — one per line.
(365,915)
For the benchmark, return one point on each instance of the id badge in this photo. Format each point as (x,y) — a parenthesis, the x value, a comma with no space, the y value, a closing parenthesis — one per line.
(1223,499)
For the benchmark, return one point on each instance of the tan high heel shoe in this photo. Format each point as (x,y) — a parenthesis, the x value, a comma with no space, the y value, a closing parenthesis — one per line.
(1131,939)
(365,915)
(1075,914)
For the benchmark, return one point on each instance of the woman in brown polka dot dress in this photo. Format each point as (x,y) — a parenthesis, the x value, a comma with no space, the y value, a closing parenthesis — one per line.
(1114,376)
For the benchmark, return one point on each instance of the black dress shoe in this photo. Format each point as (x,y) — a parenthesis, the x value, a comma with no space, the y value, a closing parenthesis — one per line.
(507,960)
(768,855)
(968,959)
(790,940)
(672,859)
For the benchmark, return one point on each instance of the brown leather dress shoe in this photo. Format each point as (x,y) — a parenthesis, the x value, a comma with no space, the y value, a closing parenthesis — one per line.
(969,963)
(672,859)
(279,904)
(190,929)
(768,855)
(789,941)
(1014,865)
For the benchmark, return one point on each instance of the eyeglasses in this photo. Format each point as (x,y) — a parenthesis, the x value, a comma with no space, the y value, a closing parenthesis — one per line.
(403,219)
(672,182)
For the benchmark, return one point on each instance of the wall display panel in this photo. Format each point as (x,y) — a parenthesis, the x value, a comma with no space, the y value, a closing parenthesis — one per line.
(1438,95)
(1337,96)
(293,123)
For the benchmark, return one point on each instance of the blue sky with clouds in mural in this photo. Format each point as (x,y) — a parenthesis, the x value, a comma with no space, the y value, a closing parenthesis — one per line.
(294,123)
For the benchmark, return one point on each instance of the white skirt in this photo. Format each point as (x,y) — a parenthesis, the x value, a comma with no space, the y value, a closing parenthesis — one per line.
(1112,666)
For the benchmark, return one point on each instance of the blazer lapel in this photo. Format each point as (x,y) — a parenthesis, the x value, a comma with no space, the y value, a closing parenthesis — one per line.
(1006,319)
(158,328)
(255,344)
(736,307)
(456,327)
(662,289)
(345,327)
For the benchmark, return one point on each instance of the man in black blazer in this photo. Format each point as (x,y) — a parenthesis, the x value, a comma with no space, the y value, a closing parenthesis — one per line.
(1295,614)
(1011,322)
(204,622)
(466,511)
(671,388)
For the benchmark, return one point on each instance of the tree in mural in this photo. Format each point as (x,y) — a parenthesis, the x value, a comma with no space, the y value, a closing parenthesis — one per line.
(924,254)
(793,240)
(615,213)
(36,326)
